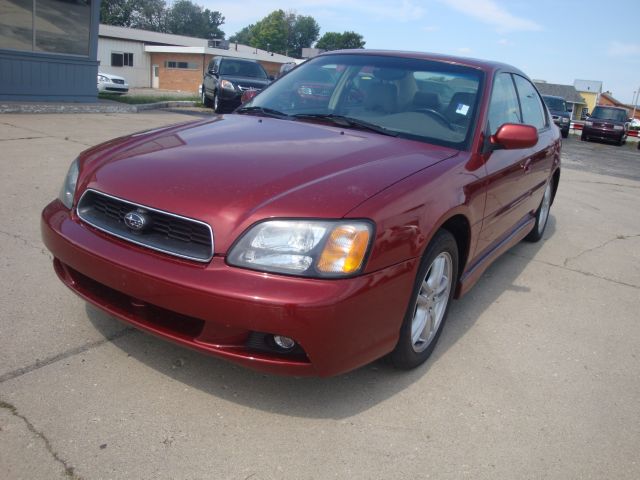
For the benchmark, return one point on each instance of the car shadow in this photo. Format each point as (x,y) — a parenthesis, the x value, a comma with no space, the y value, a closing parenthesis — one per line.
(338,397)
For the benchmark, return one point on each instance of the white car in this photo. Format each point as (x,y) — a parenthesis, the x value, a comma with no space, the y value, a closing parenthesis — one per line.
(112,83)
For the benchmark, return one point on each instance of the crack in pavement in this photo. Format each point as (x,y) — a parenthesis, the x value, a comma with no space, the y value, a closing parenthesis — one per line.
(604,244)
(603,183)
(68,469)
(575,270)
(64,355)
(46,135)
(19,138)
(27,243)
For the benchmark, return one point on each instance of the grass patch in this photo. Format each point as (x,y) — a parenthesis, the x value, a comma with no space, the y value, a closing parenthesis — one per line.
(141,99)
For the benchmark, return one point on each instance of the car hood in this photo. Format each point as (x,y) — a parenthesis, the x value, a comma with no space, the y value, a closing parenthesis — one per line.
(251,82)
(235,170)
(111,77)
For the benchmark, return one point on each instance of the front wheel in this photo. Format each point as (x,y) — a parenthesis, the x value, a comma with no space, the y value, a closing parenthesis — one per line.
(217,104)
(205,100)
(542,215)
(429,305)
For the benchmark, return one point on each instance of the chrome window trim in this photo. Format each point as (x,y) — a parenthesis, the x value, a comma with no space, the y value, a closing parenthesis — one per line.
(164,212)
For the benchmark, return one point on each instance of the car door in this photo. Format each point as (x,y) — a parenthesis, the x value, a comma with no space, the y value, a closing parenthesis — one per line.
(506,200)
(539,158)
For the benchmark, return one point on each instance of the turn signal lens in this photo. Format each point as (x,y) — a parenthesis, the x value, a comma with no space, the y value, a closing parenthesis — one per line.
(345,249)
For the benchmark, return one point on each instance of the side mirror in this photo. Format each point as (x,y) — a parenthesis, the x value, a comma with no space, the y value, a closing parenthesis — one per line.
(272,78)
(511,136)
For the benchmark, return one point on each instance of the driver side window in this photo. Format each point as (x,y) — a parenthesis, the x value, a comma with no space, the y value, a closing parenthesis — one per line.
(504,107)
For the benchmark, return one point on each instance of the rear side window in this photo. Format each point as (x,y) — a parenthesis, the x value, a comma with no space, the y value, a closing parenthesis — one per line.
(503,107)
(532,109)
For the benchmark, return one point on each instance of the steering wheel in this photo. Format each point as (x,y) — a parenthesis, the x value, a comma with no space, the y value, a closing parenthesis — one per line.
(437,115)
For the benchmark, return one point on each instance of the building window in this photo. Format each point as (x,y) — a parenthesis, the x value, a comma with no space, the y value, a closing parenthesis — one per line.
(183,65)
(57,29)
(121,59)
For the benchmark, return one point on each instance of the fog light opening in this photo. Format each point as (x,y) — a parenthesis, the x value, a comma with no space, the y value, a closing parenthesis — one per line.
(284,343)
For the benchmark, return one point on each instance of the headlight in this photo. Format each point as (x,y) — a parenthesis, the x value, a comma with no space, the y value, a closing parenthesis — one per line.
(227,85)
(102,79)
(305,248)
(588,124)
(618,127)
(565,120)
(69,186)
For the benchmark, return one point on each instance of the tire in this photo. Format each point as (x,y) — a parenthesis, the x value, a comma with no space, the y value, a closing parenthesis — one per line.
(583,137)
(428,307)
(542,215)
(217,104)
(565,133)
(206,101)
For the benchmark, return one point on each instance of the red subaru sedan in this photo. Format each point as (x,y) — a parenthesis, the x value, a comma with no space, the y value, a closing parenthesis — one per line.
(310,238)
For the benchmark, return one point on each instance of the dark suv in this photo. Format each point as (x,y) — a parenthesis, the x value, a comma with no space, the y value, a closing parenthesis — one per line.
(227,79)
(558,109)
(607,123)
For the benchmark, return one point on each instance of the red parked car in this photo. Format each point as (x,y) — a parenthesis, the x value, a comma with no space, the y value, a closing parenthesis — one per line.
(310,238)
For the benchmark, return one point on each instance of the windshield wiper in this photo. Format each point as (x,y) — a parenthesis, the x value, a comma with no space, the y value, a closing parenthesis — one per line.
(350,122)
(269,112)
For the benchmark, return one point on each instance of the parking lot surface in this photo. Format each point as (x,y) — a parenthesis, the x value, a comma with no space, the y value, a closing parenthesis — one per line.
(537,373)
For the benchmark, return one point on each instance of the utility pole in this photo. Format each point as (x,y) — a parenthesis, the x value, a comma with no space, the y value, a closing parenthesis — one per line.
(635,102)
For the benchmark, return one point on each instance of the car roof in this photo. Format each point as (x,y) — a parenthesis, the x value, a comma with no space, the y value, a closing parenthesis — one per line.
(485,65)
(611,106)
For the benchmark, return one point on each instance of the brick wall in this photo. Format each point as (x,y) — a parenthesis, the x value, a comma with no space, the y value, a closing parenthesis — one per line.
(186,80)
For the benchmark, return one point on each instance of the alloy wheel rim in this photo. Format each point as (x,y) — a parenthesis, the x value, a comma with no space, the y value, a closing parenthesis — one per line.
(544,209)
(432,302)
(215,102)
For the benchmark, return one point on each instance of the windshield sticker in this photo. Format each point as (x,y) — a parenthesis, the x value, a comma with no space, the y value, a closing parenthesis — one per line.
(462,109)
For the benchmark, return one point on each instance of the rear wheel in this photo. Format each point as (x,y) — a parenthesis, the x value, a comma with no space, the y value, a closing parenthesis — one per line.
(583,137)
(429,305)
(542,215)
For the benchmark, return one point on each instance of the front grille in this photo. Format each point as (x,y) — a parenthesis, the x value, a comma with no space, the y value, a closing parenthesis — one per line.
(242,88)
(163,231)
(119,82)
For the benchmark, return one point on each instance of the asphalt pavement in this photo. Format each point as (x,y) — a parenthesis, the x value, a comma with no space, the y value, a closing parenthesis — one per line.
(537,373)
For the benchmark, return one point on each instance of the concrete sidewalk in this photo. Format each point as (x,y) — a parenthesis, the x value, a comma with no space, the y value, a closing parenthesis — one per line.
(537,374)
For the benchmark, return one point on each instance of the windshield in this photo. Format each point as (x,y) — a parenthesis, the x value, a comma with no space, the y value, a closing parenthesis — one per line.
(556,104)
(604,113)
(242,69)
(418,99)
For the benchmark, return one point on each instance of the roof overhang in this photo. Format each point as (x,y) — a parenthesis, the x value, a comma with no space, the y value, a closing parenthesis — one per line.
(254,54)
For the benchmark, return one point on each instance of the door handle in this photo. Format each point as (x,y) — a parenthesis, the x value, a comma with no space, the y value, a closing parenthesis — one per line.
(526,165)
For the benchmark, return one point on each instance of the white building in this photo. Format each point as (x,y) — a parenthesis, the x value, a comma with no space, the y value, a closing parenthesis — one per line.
(161,60)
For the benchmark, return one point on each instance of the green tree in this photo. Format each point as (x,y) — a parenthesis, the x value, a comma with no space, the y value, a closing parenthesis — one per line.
(183,18)
(187,18)
(302,32)
(339,41)
(280,32)
(244,36)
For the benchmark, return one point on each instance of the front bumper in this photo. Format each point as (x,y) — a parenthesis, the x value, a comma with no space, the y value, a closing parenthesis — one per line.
(113,87)
(603,133)
(213,308)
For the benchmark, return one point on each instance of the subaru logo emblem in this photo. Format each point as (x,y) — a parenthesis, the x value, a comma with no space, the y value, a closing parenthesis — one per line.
(136,221)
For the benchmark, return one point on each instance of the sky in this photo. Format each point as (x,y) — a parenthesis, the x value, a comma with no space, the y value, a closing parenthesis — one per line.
(553,40)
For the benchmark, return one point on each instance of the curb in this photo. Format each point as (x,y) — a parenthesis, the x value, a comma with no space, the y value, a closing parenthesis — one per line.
(89,108)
